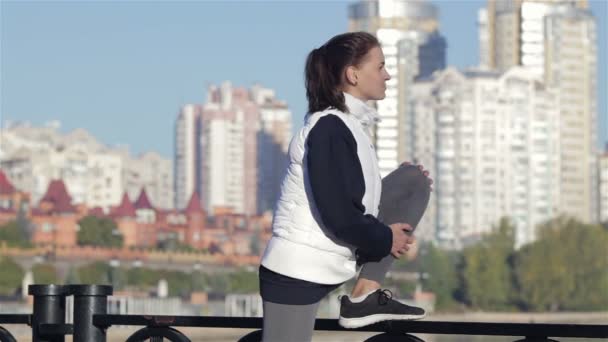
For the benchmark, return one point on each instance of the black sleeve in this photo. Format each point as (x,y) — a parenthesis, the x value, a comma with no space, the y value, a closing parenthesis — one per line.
(338,186)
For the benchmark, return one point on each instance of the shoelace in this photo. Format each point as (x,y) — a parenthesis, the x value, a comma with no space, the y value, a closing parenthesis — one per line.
(385,296)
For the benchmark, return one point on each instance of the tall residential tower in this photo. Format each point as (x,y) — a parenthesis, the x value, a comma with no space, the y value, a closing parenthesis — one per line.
(555,40)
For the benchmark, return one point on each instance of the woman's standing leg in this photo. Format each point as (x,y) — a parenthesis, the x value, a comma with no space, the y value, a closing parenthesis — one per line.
(283,322)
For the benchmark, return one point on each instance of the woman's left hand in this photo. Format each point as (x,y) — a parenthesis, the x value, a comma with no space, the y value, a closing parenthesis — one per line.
(426,173)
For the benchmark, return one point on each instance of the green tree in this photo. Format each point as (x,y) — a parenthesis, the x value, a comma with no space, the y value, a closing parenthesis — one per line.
(96,231)
(142,278)
(565,269)
(180,283)
(254,243)
(437,268)
(15,234)
(97,273)
(243,281)
(487,277)
(72,277)
(199,282)
(218,282)
(45,274)
(588,263)
(12,275)
(172,243)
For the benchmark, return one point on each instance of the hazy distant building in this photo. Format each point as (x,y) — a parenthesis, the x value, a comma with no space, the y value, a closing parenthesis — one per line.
(491,142)
(186,145)
(272,143)
(557,41)
(94,174)
(603,187)
(232,150)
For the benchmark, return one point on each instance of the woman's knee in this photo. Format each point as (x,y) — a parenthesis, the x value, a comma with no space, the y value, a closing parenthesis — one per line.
(416,178)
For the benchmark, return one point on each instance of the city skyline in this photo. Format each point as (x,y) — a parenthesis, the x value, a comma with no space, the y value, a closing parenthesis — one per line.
(157,57)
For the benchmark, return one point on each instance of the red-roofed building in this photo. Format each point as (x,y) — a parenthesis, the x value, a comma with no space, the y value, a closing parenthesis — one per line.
(124,216)
(194,205)
(124,209)
(144,211)
(55,219)
(196,222)
(6,187)
(56,199)
(11,200)
(143,202)
(96,211)
(147,223)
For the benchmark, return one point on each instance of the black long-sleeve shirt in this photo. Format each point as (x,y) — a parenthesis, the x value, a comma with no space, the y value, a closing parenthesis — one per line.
(337,184)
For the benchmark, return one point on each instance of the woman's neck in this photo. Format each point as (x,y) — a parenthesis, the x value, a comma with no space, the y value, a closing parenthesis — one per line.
(354,93)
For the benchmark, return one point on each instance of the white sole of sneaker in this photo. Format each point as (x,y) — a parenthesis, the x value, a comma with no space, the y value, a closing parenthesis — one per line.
(352,323)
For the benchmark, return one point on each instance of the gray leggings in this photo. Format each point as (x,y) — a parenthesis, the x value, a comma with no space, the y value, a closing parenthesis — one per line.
(405,195)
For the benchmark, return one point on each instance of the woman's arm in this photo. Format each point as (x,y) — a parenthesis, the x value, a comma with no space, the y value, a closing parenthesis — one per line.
(338,186)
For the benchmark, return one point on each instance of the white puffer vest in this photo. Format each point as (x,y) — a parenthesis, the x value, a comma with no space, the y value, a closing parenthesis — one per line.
(301,247)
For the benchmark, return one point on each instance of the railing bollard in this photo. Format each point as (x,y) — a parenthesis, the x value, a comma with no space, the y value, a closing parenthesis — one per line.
(49,308)
(88,301)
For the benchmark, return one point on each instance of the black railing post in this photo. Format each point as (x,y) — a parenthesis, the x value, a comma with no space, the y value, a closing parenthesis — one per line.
(49,308)
(88,301)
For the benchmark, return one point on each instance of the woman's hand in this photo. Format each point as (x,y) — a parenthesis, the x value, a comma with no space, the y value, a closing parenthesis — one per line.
(426,173)
(401,239)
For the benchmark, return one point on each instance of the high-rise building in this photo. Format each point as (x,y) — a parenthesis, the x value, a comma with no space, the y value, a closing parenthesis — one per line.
(272,145)
(556,40)
(603,186)
(232,149)
(186,152)
(490,140)
(408,32)
(228,167)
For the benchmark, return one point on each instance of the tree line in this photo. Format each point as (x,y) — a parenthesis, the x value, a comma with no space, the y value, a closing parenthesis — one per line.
(566,268)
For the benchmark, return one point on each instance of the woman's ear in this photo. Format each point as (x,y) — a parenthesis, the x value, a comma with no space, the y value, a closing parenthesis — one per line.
(351,75)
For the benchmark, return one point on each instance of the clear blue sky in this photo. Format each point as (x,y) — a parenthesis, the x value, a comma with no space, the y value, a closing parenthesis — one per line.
(122,70)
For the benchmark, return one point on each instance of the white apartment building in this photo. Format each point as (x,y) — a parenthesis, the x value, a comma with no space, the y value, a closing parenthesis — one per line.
(603,187)
(152,172)
(228,170)
(91,178)
(490,142)
(238,156)
(186,142)
(556,40)
(272,144)
(94,174)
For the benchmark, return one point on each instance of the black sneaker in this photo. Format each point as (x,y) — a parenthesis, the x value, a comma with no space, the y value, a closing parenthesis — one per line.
(378,306)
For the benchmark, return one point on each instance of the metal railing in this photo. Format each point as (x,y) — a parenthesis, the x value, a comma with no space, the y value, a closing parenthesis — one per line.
(91,322)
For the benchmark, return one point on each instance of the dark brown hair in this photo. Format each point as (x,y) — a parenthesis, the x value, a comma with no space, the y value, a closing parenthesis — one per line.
(325,68)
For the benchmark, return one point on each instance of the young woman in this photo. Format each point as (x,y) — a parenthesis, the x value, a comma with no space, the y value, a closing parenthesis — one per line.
(329,219)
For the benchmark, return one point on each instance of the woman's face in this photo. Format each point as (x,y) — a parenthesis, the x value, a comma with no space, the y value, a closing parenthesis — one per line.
(369,77)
